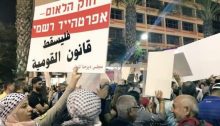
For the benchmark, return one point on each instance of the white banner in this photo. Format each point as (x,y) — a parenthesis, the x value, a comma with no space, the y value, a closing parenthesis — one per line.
(69,34)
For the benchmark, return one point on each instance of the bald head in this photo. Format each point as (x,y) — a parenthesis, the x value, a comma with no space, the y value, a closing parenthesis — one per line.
(124,103)
(185,106)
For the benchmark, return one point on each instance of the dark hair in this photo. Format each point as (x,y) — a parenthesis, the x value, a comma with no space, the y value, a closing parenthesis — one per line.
(173,83)
(189,88)
(35,80)
(135,94)
(8,82)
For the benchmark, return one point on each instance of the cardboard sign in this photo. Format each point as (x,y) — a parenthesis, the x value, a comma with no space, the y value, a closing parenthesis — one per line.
(159,73)
(67,34)
(125,71)
(202,57)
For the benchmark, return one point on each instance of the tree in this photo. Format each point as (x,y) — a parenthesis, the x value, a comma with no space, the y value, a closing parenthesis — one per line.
(7,52)
(207,10)
(24,16)
(116,51)
(138,54)
(130,21)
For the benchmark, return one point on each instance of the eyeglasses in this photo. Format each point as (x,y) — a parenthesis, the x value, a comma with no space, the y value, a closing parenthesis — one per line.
(134,107)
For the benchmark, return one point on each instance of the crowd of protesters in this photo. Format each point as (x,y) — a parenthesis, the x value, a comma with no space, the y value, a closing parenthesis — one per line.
(114,104)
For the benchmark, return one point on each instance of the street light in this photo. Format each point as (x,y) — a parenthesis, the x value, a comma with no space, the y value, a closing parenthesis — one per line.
(144,36)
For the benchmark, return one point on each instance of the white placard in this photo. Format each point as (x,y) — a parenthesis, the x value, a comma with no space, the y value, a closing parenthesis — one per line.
(125,71)
(159,73)
(203,57)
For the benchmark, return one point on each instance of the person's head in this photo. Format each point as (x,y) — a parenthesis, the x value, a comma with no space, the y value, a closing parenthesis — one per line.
(215,90)
(9,86)
(184,106)
(20,84)
(174,85)
(119,91)
(189,88)
(135,92)
(37,83)
(15,107)
(83,106)
(127,107)
(202,85)
(175,88)
(62,87)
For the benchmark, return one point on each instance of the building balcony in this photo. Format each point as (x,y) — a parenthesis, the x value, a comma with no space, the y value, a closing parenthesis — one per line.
(141,26)
(154,46)
(175,14)
(201,35)
(172,30)
(117,22)
(140,8)
(150,10)
(155,27)
(189,33)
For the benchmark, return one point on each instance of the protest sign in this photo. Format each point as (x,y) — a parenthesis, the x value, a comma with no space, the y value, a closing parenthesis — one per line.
(125,71)
(159,73)
(67,34)
(202,57)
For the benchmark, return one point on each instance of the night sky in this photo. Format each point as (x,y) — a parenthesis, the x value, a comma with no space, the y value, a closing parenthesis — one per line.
(7,11)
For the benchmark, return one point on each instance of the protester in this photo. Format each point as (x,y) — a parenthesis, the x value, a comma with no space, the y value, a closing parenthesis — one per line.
(127,108)
(147,118)
(84,107)
(9,87)
(210,106)
(36,100)
(20,84)
(185,110)
(189,88)
(15,111)
(105,94)
(59,92)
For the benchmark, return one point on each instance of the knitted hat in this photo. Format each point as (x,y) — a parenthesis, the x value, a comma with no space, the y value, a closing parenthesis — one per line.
(83,106)
(9,103)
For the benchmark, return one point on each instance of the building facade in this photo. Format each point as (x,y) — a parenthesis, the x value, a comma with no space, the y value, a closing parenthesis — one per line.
(168,24)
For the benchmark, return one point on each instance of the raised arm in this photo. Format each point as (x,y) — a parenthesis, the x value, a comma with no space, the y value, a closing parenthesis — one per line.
(48,118)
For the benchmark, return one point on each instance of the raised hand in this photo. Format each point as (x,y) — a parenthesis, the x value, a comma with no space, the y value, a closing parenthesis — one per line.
(74,79)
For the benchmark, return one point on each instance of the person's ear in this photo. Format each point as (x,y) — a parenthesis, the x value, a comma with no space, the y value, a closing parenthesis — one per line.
(130,112)
(187,111)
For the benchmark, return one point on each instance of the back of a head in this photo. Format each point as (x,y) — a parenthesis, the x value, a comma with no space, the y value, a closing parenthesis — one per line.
(124,103)
(7,83)
(215,90)
(119,91)
(189,88)
(135,94)
(83,106)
